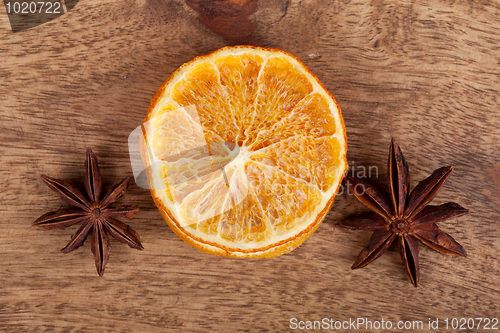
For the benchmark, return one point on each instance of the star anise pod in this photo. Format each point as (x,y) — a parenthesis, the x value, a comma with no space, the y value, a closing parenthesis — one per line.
(404,217)
(96,214)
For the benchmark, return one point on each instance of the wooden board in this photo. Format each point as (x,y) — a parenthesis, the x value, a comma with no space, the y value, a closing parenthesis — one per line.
(424,72)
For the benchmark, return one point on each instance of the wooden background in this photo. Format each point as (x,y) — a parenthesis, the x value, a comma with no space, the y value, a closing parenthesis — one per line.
(424,72)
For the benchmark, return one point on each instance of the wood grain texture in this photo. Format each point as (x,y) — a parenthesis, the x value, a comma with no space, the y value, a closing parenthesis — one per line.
(424,72)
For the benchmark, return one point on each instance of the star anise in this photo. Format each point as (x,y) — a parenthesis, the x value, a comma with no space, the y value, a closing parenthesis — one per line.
(404,217)
(96,214)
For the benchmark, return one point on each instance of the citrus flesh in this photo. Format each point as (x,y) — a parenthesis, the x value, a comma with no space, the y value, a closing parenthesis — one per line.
(245,151)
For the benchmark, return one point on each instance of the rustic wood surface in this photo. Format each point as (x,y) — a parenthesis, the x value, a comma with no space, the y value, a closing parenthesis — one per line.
(424,72)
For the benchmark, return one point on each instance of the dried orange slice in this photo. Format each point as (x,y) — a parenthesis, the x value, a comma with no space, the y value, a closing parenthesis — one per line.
(245,151)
